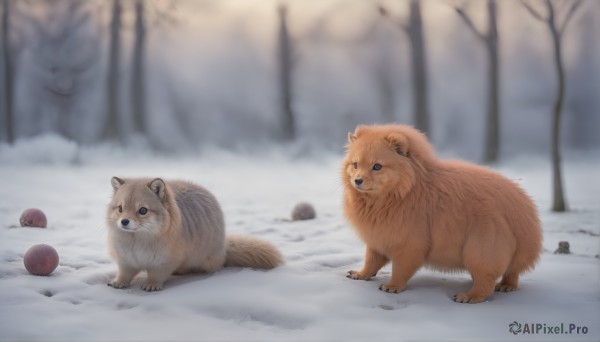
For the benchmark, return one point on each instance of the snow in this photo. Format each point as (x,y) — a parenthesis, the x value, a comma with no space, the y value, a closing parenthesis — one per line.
(309,298)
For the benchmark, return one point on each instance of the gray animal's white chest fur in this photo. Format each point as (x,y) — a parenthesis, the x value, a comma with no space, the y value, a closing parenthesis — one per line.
(140,252)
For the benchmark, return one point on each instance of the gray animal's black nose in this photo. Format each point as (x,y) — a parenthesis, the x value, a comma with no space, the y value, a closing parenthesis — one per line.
(358,181)
(124,222)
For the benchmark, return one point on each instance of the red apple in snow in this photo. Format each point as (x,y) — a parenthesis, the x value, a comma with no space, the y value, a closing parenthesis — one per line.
(33,217)
(41,259)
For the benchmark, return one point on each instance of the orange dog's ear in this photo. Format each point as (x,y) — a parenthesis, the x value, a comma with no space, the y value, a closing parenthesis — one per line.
(351,137)
(398,143)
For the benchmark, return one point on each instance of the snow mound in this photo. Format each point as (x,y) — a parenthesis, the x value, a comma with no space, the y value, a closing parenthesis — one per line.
(43,149)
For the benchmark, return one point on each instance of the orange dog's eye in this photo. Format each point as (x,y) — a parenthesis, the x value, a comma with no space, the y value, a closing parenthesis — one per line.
(377,166)
(355,165)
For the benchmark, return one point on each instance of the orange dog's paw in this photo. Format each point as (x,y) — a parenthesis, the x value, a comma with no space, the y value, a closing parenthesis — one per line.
(505,288)
(357,275)
(392,288)
(465,298)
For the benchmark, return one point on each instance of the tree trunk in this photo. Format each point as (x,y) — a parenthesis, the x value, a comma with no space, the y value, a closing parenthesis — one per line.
(112,127)
(419,68)
(492,144)
(285,77)
(7,71)
(386,91)
(559,204)
(137,80)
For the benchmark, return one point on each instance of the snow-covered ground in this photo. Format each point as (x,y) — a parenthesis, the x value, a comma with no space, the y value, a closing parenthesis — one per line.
(309,298)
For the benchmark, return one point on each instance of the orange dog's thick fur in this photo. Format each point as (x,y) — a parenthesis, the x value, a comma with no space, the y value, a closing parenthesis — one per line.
(415,210)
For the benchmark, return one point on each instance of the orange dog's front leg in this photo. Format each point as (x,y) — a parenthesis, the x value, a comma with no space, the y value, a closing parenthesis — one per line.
(404,266)
(373,263)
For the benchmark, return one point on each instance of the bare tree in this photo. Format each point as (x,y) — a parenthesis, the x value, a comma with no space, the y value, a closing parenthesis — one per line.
(7,86)
(138,94)
(148,16)
(112,128)
(386,88)
(490,40)
(414,29)
(419,60)
(285,68)
(557,29)
(382,68)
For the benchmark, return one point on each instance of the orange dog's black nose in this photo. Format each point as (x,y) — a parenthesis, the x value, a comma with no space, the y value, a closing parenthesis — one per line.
(358,181)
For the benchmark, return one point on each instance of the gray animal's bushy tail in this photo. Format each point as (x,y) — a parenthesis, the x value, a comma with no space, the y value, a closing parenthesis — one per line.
(244,251)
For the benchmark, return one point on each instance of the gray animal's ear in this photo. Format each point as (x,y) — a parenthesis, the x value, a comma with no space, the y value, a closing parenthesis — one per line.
(158,187)
(116,183)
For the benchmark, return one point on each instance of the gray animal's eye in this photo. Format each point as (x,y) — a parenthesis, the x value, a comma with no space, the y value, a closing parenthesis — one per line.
(143,211)
(120,209)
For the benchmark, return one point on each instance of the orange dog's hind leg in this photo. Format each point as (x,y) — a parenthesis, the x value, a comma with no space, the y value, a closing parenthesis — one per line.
(373,263)
(483,287)
(485,263)
(509,282)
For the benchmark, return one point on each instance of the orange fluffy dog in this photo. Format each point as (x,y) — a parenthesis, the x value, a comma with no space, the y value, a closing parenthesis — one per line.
(415,210)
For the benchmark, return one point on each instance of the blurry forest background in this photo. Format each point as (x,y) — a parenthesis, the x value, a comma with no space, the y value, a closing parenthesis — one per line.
(479,76)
